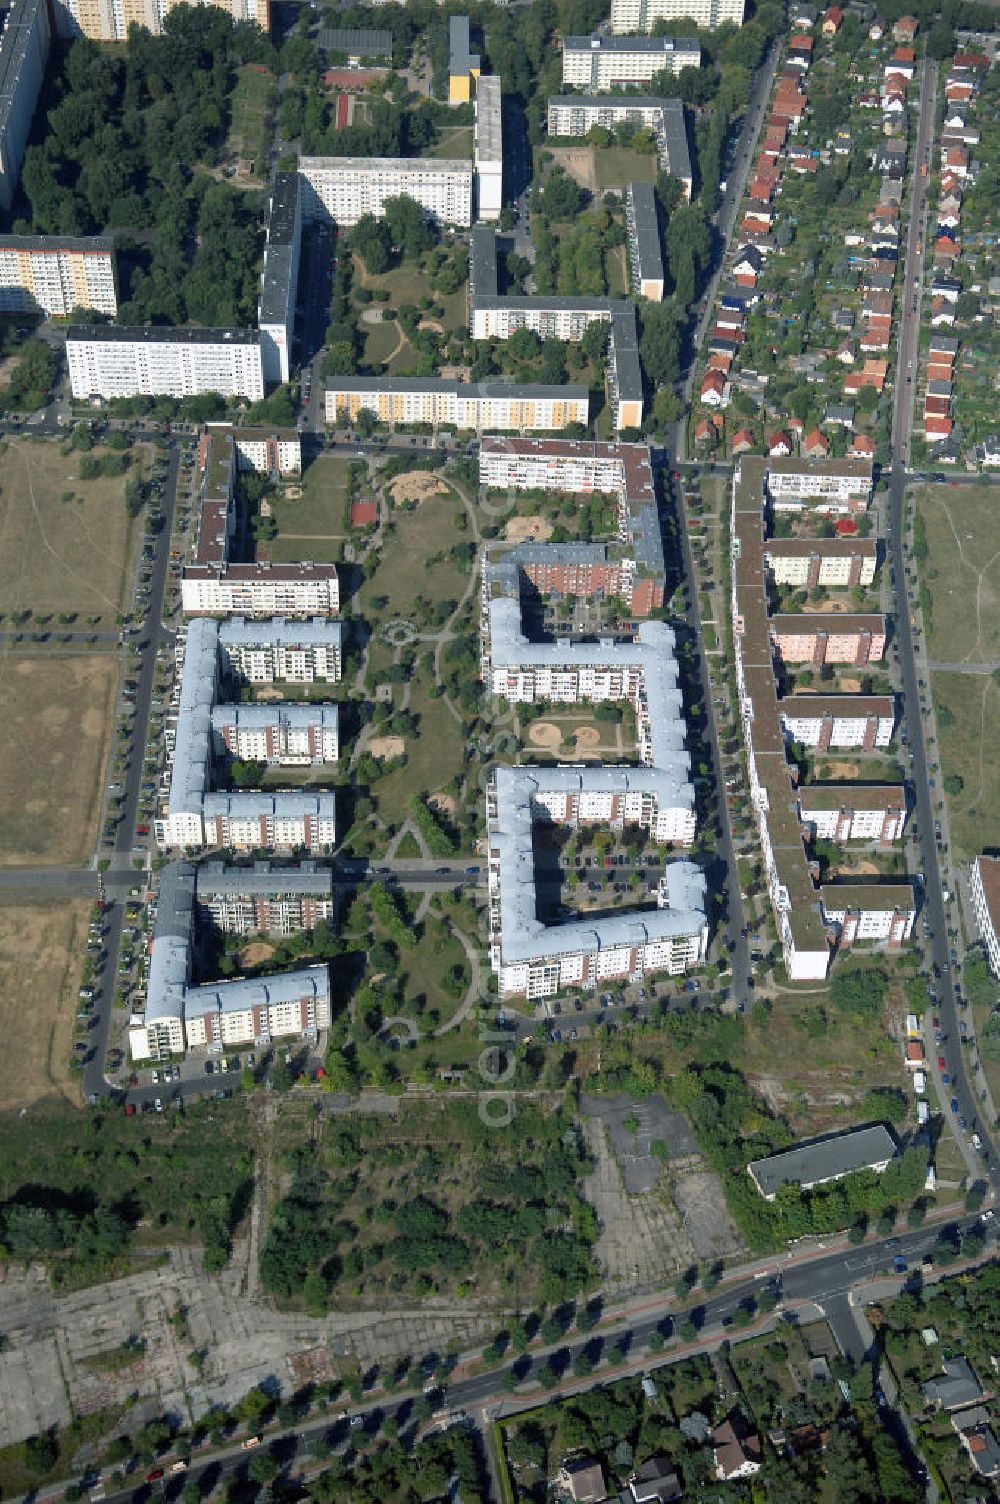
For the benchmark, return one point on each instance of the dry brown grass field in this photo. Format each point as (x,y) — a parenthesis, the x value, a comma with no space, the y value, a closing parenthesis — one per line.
(41,956)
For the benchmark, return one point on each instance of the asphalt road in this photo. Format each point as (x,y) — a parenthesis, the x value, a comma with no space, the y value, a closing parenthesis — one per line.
(120,876)
(801,1277)
(923,815)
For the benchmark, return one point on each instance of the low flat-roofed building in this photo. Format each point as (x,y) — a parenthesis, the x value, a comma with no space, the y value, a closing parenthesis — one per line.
(822,1160)
(357,43)
(984,888)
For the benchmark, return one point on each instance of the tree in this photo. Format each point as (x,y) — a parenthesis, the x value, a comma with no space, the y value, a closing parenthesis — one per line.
(41,1453)
(660,343)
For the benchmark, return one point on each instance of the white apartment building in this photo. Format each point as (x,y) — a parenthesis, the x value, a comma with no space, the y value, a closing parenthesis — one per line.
(608,62)
(288,735)
(276,452)
(343,189)
(264,898)
(853,812)
(178,1015)
(488,149)
(204,730)
(831,485)
(24,51)
(838,563)
(642,15)
(870,913)
(56,274)
(280,278)
(536,961)
(110,361)
(270,822)
(573,115)
(984,888)
(468,405)
(261,589)
(298,652)
(842,722)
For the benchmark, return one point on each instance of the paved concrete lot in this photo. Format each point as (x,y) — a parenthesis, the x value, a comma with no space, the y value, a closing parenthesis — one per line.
(51,1366)
(633,1127)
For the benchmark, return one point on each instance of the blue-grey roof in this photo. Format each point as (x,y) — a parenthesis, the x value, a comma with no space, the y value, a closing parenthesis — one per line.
(217,879)
(461,58)
(291,803)
(635,44)
(824,1159)
(623,351)
(193,734)
(529,391)
(281,252)
(356,41)
(644,224)
(172,938)
(259,717)
(319,631)
(523,937)
(242,993)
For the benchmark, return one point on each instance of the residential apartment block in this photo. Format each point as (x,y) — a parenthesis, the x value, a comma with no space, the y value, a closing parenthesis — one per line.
(297,652)
(876,913)
(984,888)
(853,812)
(265,899)
(811,921)
(535,960)
(109,20)
(108,360)
(343,189)
(207,731)
(288,735)
(280,278)
(179,1014)
(805,563)
(633,568)
(487,150)
(573,115)
(55,274)
(494,317)
(212,584)
(645,257)
(642,15)
(608,62)
(469,405)
(845,723)
(826,486)
(24,52)
(820,638)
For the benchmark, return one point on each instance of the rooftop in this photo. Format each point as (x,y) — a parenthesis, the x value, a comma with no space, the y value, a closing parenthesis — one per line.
(461,59)
(93,245)
(824,1159)
(489,123)
(394,165)
(687,45)
(159,334)
(356,42)
(530,391)
(644,222)
(263,878)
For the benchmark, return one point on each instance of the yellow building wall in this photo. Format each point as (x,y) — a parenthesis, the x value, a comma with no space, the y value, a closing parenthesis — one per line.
(459,88)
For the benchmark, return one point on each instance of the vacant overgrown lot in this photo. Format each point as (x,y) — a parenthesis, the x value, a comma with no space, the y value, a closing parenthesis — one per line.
(41,951)
(63,542)
(962,571)
(55,713)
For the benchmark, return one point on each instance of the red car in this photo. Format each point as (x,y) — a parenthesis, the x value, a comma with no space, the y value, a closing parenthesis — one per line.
(942,1063)
(154,1474)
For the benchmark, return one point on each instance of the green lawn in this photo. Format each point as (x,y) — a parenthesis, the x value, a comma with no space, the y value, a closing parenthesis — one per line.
(434,756)
(455,141)
(382,342)
(967,731)
(617,166)
(962,571)
(249,131)
(320,508)
(412,538)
